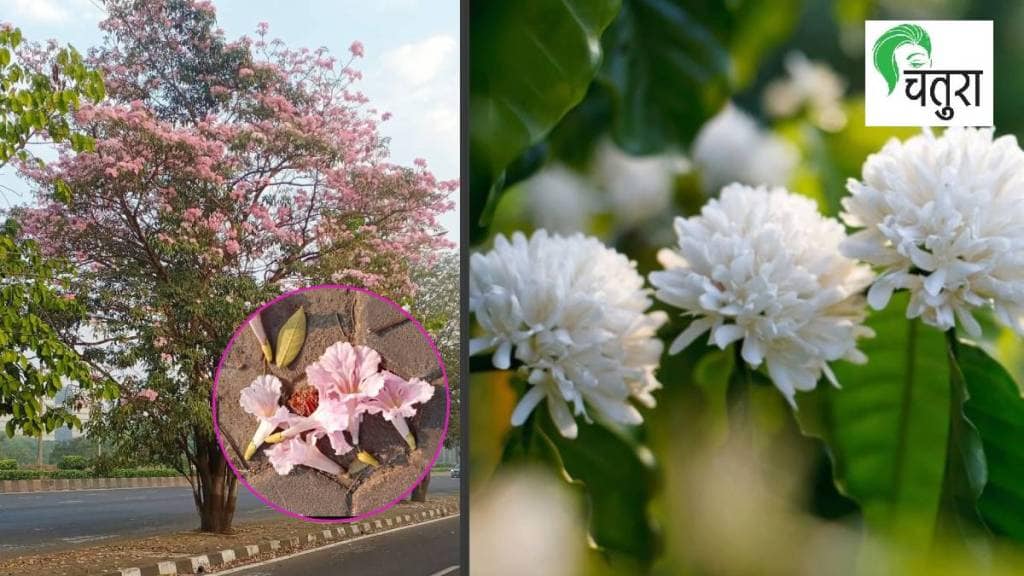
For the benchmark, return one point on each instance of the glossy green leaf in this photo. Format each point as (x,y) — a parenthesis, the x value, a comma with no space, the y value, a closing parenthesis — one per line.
(532,62)
(886,428)
(666,72)
(671,64)
(996,408)
(617,483)
(966,472)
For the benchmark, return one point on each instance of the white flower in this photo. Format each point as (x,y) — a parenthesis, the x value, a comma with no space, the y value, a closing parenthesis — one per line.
(731,147)
(812,85)
(573,312)
(763,266)
(561,200)
(638,187)
(944,218)
(526,521)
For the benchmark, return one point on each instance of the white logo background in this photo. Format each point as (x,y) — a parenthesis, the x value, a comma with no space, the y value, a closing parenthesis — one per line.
(956,45)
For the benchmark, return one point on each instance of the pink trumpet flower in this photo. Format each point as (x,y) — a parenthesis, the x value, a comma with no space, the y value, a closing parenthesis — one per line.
(395,402)
(297,451)
(261,400)
(348,373)
(256,324)
(331,418)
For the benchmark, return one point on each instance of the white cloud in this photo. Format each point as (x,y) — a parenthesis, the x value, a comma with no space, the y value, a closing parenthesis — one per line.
(418,63)
(40,11)
(418,82)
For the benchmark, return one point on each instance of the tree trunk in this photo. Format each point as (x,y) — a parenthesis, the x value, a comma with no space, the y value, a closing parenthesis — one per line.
(214,486)
(419,493)
(39,450)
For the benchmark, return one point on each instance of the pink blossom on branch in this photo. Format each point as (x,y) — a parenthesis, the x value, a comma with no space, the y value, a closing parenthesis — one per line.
(268,156)
(148,394)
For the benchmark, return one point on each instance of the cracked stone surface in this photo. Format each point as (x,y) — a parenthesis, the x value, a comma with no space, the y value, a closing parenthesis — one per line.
(333,315)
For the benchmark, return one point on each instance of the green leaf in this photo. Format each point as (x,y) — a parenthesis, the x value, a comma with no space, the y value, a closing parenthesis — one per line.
(532,62)
(759,26)
(61,190)
(666,71)
(996,408)
(966,472)
(618,484)
(886,428)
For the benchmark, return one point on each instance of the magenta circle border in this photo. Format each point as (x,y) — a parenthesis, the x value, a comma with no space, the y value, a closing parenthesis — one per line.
(444,430)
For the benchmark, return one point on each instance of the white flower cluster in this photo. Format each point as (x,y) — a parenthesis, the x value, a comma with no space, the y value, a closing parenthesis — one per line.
(813,86)
(633,188)
(561,200)
(944,218)
(941,217)
(731,147)
(639,187)
(574,314)
(763,266)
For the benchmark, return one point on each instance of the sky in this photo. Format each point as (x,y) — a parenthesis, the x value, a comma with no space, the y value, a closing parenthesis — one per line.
(410,68)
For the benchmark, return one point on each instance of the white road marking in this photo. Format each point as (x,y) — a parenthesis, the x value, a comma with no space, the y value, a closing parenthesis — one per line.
(80,539)
(329,546)
(447,570)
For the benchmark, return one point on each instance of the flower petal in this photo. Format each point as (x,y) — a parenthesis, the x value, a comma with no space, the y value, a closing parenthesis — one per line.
(695,329)
(526,405)
(561,416)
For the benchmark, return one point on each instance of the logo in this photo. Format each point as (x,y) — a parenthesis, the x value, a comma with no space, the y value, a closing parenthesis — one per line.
(928,73)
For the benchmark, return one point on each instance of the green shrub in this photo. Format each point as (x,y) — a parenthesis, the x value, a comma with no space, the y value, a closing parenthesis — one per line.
(143,472)
(103,466)
(73,462)
(70,474)
(21,474)
(8,464)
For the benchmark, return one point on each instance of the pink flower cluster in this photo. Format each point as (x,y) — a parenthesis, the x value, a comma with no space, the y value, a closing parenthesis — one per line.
(349,383)
(282,175)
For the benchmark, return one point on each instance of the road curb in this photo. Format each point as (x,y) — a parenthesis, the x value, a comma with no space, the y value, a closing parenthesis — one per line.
(320,537)
(74,484)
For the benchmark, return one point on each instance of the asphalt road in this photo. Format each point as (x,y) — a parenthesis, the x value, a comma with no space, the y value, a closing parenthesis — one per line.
(36,522)
(430,549)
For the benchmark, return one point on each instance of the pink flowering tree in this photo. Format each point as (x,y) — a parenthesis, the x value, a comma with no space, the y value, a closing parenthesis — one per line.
(224,172)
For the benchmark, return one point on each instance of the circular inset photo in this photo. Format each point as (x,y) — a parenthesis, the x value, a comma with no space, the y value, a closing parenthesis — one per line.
(331,403)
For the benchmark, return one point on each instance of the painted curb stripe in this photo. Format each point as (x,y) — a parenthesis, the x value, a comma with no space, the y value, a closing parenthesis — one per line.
(193,564)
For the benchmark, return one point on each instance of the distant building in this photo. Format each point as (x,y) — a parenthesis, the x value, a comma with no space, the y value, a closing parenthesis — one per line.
(61,434)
